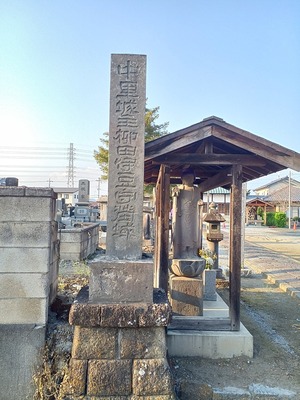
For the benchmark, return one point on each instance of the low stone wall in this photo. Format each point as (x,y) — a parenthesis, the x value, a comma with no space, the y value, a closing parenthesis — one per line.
(29,254)
(76,244)
(28,283)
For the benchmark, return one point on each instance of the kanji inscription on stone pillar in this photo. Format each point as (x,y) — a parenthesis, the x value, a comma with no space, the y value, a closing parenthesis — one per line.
(126,156)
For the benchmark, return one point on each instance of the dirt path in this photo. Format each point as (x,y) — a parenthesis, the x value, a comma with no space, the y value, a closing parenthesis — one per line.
(273,318)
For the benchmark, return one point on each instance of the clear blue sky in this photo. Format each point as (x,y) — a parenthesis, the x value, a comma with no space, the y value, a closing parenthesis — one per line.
(236,59)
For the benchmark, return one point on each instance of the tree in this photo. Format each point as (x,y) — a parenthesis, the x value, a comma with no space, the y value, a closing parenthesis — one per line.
(101,156)
(152,131)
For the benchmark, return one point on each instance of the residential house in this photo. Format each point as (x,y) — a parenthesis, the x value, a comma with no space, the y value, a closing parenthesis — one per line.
(282,195)
(220,196)
(69,194)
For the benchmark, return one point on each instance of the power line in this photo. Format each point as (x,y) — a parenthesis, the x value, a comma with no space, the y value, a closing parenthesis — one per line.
(71,166)
(28,164)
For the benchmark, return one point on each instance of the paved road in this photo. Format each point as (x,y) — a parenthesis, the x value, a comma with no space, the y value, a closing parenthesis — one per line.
(274,252)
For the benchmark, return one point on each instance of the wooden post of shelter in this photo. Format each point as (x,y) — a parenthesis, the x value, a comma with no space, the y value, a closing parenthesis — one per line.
(235,246)
(265,214)
(161,247)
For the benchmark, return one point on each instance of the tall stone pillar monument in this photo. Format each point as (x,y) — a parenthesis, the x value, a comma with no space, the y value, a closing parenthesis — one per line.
(119,347)
(126,156)
(123,276)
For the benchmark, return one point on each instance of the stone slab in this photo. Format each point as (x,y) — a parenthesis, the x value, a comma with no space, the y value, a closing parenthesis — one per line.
(9,191)
(120,281)
(210,344)
(27,234)
(94,343)
(21,191)
(142,343)
(209,285)
(151,377)
(156,313)
(186,295)
(25,285)
(74,382)
(20,349)
(109,377)
(30,209)
(74,248)
(24,259)
(24,311)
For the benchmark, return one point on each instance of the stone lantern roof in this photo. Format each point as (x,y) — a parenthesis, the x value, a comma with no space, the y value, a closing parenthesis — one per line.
(213,215)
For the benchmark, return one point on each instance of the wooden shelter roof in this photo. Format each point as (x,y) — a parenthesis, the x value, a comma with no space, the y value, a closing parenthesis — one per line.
(257,203)
(211,147)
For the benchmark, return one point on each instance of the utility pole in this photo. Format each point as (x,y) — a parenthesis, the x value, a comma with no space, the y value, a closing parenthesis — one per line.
(98,187)
(71,153)
(290,200)
(49,182)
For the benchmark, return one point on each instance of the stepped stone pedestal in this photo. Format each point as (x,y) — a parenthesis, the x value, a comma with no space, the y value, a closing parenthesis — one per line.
(119,350)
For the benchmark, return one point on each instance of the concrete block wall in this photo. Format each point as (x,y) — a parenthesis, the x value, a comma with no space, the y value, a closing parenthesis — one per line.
(29,254)
(29,259)
(78,243)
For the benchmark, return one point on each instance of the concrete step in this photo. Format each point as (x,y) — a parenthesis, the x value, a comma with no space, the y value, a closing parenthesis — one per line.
(210,344)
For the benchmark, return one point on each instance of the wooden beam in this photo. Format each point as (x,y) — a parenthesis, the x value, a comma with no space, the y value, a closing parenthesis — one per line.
(271,151)
(221,179)
(210,159)
(185,139)
(157,241)
(161,258)
(235,256)
(197,323)
(164,257)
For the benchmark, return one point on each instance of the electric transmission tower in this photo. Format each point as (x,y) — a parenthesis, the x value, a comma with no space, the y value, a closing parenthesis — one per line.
(71,154)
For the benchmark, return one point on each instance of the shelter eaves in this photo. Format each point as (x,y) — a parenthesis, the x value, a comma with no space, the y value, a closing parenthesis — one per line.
(211,147)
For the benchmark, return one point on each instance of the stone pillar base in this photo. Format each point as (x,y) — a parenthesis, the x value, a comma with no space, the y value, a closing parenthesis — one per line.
(119,350)
(112,281)
(186,295)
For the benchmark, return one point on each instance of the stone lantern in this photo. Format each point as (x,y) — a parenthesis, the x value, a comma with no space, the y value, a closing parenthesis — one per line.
(213,233)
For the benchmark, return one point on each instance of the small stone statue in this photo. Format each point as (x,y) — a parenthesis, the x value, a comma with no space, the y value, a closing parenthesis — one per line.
(186,227)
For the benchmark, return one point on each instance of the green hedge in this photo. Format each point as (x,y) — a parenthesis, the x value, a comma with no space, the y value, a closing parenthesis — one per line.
(280,219)
(270,220)
(276,219)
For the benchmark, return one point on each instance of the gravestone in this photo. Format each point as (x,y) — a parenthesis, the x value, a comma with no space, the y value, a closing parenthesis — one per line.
(83,191)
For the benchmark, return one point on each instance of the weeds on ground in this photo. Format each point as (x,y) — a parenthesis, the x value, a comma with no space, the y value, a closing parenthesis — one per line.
(48,377)
(56,354)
